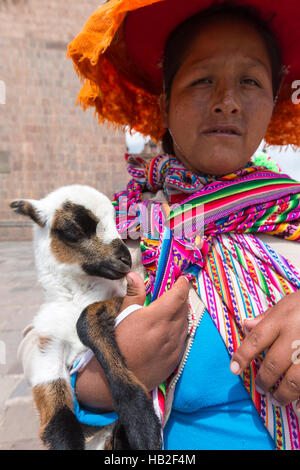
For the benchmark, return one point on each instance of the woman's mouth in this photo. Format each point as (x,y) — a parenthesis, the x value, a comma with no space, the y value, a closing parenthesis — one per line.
(223,131)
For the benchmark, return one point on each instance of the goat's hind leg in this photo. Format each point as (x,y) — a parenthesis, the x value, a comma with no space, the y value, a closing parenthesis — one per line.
(132,402)
(59,428)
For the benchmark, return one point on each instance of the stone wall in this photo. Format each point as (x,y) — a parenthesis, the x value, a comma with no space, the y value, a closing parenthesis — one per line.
(45,140)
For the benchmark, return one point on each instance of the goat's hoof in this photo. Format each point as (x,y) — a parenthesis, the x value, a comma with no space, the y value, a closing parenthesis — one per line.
(145,436)
(63,432)
(141,426)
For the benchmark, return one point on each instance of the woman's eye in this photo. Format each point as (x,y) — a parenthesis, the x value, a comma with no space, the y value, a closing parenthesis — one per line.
(250,81)
(202,81)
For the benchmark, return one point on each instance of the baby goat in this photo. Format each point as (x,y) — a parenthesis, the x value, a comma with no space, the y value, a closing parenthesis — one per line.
(82,263)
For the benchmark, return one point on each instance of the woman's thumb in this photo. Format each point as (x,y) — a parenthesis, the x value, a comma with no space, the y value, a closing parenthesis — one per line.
(173,300)
(136,293)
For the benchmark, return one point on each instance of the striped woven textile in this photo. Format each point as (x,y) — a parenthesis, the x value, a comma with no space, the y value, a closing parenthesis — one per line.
(206,232)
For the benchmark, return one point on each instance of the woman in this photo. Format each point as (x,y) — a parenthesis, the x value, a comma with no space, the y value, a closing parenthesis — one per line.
(222,74)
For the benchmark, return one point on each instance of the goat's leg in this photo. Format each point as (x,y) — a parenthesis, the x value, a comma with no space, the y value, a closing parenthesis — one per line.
(132,402)
(59,428)
(119,438)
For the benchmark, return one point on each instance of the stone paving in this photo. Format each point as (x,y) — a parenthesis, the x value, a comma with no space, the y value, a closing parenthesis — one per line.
(20,298)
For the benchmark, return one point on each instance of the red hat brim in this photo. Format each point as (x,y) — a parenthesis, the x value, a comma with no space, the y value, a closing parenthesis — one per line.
(146,30)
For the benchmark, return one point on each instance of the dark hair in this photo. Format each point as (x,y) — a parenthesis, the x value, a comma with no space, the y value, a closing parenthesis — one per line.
(181,38)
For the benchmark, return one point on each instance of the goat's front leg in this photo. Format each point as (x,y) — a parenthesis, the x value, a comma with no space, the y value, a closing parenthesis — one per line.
(132,402)
(59,428)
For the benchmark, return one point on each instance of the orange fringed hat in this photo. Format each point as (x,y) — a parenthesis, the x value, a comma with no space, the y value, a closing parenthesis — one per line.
(119,51)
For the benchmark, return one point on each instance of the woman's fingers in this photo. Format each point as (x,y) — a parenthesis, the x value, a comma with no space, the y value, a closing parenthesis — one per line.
(165,306)
(274,365)
(279,330)
(262,336)
(289,387)
(136,293)
(251,323)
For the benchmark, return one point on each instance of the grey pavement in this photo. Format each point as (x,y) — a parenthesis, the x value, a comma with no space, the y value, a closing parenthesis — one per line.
(20,298)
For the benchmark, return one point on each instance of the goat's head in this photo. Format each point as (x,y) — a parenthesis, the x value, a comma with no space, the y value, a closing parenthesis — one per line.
(78,222)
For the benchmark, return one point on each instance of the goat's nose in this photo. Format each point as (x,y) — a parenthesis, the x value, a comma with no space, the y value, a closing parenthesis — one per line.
(123,254)
(126,261)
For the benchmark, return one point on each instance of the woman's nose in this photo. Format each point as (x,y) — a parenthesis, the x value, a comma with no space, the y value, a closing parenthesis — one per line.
(226,101)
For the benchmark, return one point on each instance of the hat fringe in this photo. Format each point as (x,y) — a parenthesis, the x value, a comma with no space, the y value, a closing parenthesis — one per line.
(284,128)
(100,29)
(120,102)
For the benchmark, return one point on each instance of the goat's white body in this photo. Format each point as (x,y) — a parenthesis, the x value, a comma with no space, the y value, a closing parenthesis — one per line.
(56,321)
(68,291)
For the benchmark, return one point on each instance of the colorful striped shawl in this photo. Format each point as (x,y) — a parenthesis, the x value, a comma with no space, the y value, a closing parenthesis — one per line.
(206,232)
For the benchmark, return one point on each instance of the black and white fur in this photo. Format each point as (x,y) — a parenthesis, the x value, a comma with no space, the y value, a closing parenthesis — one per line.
(81,263)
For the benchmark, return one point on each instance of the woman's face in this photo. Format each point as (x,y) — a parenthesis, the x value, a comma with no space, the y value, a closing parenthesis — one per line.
(221,99)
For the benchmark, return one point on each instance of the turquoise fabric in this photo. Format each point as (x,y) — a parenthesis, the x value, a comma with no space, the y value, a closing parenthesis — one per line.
(211,408)
(90,417)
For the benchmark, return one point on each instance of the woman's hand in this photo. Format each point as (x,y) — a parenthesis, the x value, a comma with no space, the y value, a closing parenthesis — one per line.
(279,330)
(152,341)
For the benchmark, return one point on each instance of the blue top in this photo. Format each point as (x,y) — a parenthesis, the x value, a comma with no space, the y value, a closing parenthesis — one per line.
(212,409)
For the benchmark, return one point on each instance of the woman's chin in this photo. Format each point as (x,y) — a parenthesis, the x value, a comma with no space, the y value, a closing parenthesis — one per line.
(220,162)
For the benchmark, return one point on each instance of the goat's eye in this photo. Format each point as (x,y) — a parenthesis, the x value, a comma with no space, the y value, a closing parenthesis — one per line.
(69,231)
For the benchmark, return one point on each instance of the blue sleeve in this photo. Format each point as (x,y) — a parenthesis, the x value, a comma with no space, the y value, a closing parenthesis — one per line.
(89,417)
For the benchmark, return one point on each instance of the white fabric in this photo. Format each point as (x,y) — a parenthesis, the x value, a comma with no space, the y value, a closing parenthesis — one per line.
(126,312)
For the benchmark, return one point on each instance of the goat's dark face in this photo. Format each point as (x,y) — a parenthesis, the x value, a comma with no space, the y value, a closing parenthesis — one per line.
(77,235)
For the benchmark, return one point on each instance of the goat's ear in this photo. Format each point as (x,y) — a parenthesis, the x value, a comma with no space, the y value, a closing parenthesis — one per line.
(28,207)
